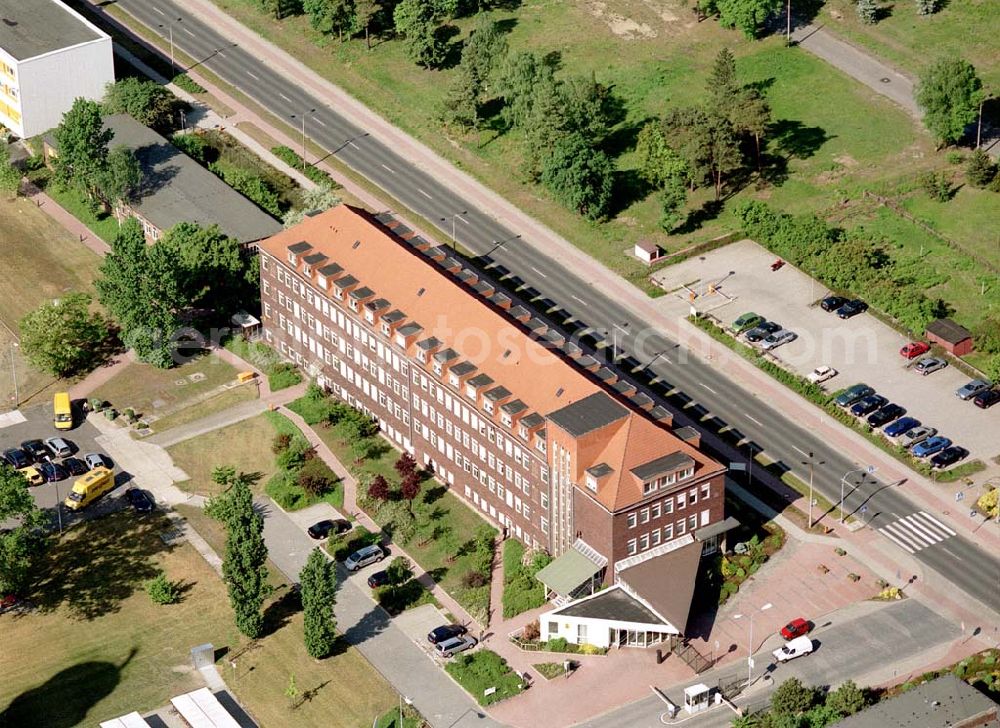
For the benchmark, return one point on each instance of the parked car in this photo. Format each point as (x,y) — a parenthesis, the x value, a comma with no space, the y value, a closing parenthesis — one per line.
(949,456)
(929,365)
(455,645)
(852,308)
(445,632)
(95,460)
(139,500)
(914,349)
(852,394)
(917,434)
(762,330)
(379,578)
(794,648)
(747,321)
(53,472)
(900,426)
(886,414)
(17,457)
(777,339)
(971,389)
(32,475)
(796,628)
(75,466)
(821,374)
(832,303)
(36,449)
(363,557)
(322,529)
(987,399)
(59,447)
(867,405)
(930,446)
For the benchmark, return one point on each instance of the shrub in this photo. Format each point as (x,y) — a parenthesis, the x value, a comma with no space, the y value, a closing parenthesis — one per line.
(184,81)
(192,145)
(399,570)
(936,185)
(344,545)
(477,671)
(281,442)
(282,376)
(315,174)
(316,407)
(532,631)
(315,478)
(396,599)
(378,489)
(473,579)
(161,590)
(558,644)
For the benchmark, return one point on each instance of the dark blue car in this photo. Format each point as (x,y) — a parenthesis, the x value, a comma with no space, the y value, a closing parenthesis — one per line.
(868,404)
(897,428)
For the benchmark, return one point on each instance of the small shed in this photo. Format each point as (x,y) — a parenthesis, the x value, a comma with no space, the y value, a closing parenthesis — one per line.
(697,698)
(246,324)
(647,251)
(950,336)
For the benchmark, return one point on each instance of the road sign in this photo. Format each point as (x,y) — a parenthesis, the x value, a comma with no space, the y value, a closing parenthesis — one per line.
(864,509)
(959,496)
(871,469)
(738,466)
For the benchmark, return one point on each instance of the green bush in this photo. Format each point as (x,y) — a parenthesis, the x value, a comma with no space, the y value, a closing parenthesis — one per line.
(161,590)
(400,597)
(521,590)
(282,376)
(192,145)
(316,407)
(184,81)
(344,545)
(481,670)
(315,174)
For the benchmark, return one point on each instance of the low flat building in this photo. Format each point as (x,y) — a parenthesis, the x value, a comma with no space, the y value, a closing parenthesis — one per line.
(49,56)
(944,702)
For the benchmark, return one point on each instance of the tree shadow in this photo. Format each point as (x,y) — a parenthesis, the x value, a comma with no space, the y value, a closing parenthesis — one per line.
(883,13)
(796,139)
(93,568)
(66,698)
(628,187)
(281,610)
(709,210)
(554,60)
(453,52)
(623,137)
(506,25)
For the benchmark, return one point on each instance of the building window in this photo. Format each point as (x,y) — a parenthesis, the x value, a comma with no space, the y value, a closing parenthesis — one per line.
(680,501)
(656,537)
(545,501)
(668,532)
(648,488)
(655,511)
(693,522)
(632,520)
(506,419)
(592,483)
(681,527)
(644,541)
(693,496)
(644,515)
(705,491)
(545,525)
(553,628)
(488,406)
(668,505)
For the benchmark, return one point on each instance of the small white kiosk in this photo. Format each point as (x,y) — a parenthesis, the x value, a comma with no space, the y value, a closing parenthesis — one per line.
(697,698)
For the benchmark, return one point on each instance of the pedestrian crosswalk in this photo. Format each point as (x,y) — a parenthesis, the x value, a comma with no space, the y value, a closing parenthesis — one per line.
(916,531)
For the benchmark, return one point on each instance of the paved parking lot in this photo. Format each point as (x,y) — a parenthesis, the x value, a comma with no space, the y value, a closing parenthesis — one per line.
(861,349)
(38,424)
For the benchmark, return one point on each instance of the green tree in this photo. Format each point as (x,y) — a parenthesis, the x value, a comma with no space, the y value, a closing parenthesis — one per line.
(10,176)
(672,202)
(579,176)
(980,169)
(399,571)
(63,337)
(926,7)
(792,697)
(746,15)
(591,108)
(145,101)
(722,84)
(751,115)
(949,93)
(517,77)
(19,542)
(318,580)
(658,162)
(722,150)
(120,177)
(366,10)
(416,21)
(847,700)
(210,269)
(244,565)
(314,200)
(867,12)
(345,18)
(460,107)
(483,51)
(82,142)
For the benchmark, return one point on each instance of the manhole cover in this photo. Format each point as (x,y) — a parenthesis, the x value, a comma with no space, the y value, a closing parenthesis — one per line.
(197,377)
(180,382)
(885,80)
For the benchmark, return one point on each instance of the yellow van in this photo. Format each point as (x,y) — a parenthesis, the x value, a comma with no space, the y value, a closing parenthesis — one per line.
(89,488)
(62,411)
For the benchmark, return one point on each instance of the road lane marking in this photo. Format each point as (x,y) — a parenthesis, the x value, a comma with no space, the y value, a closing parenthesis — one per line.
(188,32)
(708,388)
(896,540)
(917,530)
(897,528)
(749,416)
(388,169)
(462,219)
(158,10)
(579,299)
(284,97)
(800,450)
(937,523)
(538,271)
(354,145)
(424,194)
(253,75)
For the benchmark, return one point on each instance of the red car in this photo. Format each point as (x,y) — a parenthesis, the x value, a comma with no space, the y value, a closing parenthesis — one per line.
(914,349)
(795,628)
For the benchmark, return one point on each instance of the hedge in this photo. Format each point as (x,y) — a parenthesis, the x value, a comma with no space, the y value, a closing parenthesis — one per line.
(292,159)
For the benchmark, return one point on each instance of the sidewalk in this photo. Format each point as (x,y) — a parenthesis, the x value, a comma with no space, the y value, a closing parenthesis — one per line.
(52,208)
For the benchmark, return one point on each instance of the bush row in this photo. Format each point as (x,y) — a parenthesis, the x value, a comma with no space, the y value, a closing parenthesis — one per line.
(292,159)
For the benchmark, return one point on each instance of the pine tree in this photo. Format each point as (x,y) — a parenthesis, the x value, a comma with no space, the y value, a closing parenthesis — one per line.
(867,12)
(722,84)
(980,169)
(926,7)
(244,566)
(319,584)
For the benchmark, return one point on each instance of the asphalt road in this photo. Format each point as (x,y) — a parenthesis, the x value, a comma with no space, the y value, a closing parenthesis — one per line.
(964,563)
(849,649)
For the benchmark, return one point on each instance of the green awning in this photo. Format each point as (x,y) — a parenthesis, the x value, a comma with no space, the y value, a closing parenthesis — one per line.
(568,572)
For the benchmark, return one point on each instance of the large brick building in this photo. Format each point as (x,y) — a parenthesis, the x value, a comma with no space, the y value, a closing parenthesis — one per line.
(532,432)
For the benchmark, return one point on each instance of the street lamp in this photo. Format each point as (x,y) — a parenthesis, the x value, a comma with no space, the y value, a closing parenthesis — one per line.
(454,217)
(13,373)
(403,698)
(497,244)
(615,328)
(750,615)
(303,118)
(811,462)
(170,32)
(866,470)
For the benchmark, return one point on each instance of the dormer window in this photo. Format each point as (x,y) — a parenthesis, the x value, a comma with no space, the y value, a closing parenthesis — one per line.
(307,270)
(438,368)
(506,419)
(321,282)
(353,304)
(592,482)
(297,249)
(338,293)
(369,316)
(488,406)
(422,355)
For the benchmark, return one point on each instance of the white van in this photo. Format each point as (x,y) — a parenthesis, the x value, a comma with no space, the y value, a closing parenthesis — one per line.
(796,648)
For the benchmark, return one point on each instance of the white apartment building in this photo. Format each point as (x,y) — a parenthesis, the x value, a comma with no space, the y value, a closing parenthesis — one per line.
(49,56)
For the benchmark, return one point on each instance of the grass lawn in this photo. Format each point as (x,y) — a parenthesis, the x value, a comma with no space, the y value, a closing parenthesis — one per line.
(245,445)
(103,224)
(841,137)
(97,647)
(150,390)
(521,590)
(217,403)
(280,374)
(39,261)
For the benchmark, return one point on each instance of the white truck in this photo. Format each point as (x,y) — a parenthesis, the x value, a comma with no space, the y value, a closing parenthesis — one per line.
(796,648)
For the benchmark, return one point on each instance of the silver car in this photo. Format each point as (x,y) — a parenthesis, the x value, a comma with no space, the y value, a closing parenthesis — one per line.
(929,365)
(363,557)
(60,448)
(970,390)
(455,645)
(917,434)
(777,339)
